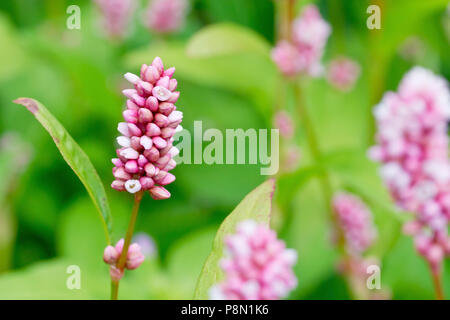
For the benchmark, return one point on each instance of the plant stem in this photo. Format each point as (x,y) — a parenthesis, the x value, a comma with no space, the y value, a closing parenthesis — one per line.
(437,282)
(123,257)
(114,290)
(313,144)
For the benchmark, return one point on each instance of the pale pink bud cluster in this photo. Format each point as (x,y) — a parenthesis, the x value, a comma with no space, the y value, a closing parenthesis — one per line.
(412,146)
(165,16)
(284,123)
(303,53)
(257,265)
(342,73)
(112,254)
(116,15)
(146,151)
(356,222)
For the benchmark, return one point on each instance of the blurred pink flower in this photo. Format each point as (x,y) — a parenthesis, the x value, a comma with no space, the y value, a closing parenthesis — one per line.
(309,36)
(116,16)
(112,254)
(356,222)
(287,58)
(283,121)
(145,155)
(147,244)
(412,146)
(343,73)
(258,265)
(166,16)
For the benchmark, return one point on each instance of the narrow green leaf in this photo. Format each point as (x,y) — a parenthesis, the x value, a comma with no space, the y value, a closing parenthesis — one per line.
(256,206)
(75,157)
(226,38)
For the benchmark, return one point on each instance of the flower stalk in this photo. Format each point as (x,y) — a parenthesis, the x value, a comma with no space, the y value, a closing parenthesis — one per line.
(123,257)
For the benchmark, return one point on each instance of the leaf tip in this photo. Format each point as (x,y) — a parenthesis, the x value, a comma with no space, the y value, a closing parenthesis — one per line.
(28,103)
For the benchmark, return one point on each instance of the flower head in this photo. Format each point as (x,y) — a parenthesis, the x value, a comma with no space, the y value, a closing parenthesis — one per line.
(116,15)
(165,16)
(257,266)
(284,123)
(112,254)
(145,155)
(355,220)
(412,147)
(343,73)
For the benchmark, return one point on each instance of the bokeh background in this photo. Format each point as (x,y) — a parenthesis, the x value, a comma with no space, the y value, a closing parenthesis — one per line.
(47,221)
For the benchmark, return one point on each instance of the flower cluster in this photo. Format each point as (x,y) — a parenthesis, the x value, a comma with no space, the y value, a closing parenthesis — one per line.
(302,53)
(146,153)
(283,121)
(164,16)
(258,265)
(342,73)
(412,146)
(112,254)
(116,15)
(355,221)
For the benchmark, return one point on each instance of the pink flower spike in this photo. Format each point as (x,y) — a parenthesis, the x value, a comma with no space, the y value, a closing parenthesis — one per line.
(343,73)
(257,265)
(116,16)
(146,148)
(356,222)
(166,16)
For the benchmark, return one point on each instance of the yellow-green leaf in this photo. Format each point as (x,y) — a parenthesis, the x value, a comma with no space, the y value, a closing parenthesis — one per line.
(75,157)
(256,206)
(226,38)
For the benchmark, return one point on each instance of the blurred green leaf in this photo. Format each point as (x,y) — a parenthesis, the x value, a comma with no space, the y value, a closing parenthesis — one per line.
(256,206)
(226,38)
(75,158)
(185,260)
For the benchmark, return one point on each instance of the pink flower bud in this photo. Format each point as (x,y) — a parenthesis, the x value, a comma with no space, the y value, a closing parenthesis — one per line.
(120,173)
(119,185)
(145,115)
(153,130)
(159,193)
(131,166)
(150,169)
(152,154)
(152,103)
(146,182)
(134,257)
(115,273)
(161,120)
(159,142)
(110,255)
(161,93)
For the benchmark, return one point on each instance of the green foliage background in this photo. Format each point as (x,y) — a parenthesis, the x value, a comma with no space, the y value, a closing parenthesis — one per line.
(47,221)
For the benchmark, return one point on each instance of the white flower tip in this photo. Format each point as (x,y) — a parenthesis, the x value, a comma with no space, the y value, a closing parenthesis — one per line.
(123,141)
(146,142)
(132,78)
(133,186)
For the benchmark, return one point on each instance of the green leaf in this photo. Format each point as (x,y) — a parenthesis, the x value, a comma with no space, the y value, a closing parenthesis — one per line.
(256,206)
(226,38)
(75,158)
